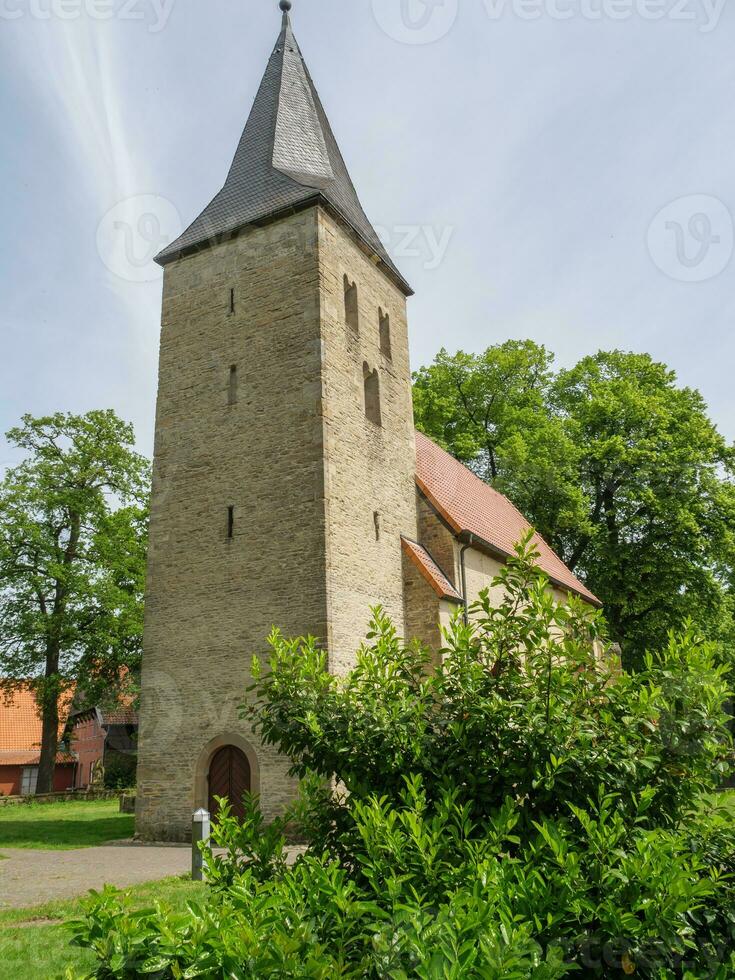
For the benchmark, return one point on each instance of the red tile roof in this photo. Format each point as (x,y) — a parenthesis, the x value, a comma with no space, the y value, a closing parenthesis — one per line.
(470,506)
(119,716)
(20,725)
(33,758)
(430,570)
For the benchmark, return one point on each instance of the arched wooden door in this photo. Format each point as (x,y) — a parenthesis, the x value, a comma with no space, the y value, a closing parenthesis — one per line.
(229,776)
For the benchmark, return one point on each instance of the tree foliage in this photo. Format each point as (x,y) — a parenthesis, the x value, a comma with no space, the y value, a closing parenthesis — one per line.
(525,811)
(618,467)
(73,529)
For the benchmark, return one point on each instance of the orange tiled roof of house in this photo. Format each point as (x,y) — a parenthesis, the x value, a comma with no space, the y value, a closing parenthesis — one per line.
(20,727)
(430,570)
(32,758)
(470,506)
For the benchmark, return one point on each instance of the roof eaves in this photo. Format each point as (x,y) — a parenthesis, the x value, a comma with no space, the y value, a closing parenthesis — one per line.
(466,536)
(474,540)
(446,591)
(167,256)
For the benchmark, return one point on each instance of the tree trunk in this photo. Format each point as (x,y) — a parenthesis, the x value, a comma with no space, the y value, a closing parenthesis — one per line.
(49,748)
(48,702)
(51,688)
(578,553)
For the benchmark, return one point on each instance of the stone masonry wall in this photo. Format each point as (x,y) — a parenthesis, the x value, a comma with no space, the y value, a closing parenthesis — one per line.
(321,494)
(424,609)
(212,601)
(439,541)
(370,469)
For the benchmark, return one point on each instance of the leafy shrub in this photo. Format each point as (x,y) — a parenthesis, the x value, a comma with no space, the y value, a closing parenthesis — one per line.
(527,810)
(247,845)
(120,772)
(521,707)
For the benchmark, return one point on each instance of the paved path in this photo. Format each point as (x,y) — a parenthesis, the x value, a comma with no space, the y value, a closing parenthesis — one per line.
(29,878)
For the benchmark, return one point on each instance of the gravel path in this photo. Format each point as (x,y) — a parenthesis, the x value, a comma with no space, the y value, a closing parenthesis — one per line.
(29,878)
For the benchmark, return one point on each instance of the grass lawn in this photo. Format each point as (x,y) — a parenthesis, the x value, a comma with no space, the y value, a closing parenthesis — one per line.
(63,826)
(35,944)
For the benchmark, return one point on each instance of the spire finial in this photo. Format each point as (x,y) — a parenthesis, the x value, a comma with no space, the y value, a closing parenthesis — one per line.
(285,5)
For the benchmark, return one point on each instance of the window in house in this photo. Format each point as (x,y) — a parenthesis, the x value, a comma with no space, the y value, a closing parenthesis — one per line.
(230,522)
(352,318)
(232,301)
(232,388)
(384,321)
(372,394)
(378,524)
(29,781)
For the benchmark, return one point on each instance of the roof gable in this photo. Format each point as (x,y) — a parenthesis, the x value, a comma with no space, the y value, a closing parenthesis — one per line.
(470,506)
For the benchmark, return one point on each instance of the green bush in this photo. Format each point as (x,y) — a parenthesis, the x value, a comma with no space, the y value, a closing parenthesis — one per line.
(526,810)
(120,771)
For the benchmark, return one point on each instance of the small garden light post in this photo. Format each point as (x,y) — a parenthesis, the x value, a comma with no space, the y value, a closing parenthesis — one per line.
(200,831)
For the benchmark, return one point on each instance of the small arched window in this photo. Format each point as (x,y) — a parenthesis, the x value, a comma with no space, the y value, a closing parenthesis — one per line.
(384,321)
(372,394)
(351,314)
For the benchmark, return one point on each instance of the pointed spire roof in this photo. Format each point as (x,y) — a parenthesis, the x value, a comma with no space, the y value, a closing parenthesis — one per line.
(287,159)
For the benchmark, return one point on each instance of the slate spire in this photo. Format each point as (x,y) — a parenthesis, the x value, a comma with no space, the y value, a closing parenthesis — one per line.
(287,159)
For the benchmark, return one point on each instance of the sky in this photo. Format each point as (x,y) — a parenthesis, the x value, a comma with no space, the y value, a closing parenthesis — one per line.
(560,170)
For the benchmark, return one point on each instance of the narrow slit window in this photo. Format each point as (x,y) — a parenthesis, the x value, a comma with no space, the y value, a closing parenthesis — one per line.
(230,523)
(384,321)
(372,394)
(352,318)
(232,301)
(232,387)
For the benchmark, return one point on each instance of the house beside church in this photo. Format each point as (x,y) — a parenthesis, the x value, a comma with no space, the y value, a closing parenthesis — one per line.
(20,743)
(290,487)
(93,741)
(104,742)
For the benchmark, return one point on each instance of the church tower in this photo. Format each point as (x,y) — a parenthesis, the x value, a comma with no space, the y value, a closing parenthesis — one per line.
(285,454)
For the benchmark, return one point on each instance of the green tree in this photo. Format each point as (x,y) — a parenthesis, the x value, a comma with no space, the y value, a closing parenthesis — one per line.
(658,480)
(73,528)
(618,467)
(493,412)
